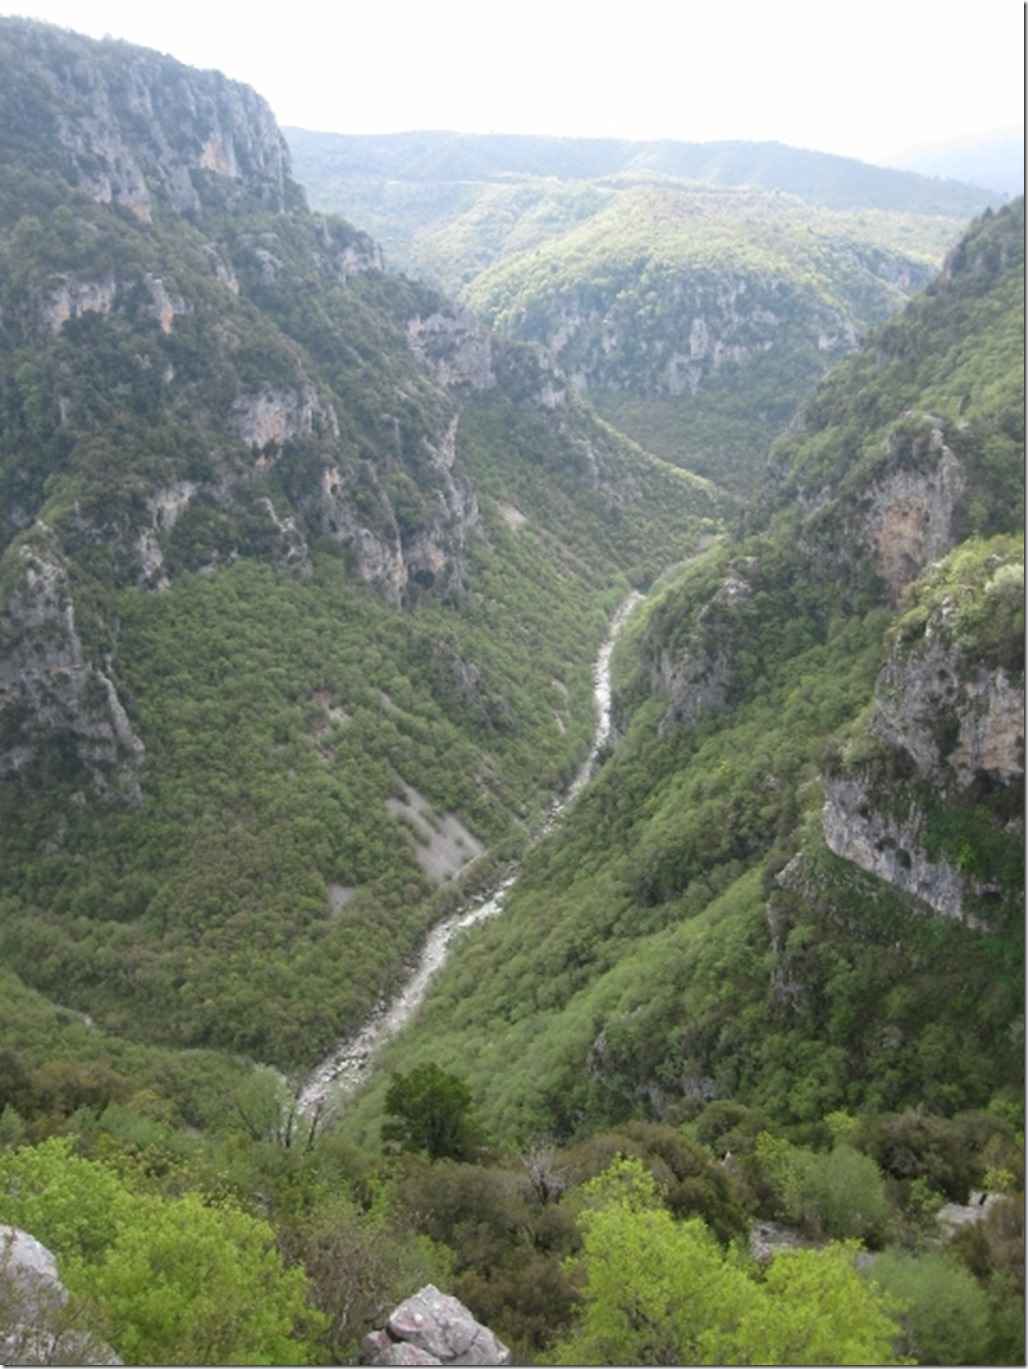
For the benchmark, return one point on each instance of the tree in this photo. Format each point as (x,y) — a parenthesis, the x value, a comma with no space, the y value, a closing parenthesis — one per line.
(660,1291)
(945,1317)
(431,1111)
(188,1283)
(73,1205)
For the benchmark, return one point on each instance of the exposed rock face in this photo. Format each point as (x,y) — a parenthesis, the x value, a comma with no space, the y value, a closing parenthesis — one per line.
(704,321)
(922,699)
(53,697)
(273,417)
(455,347)
(955,721)
(906,515)
(698,679)
(353,507)
(186,123)
(32,1301)
(433,1328)
(889,847)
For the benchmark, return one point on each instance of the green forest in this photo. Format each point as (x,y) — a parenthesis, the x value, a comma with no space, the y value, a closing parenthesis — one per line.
(305,567)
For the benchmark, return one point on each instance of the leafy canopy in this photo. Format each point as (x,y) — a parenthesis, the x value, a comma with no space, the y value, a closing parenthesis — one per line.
(658,1291)
(430,1110)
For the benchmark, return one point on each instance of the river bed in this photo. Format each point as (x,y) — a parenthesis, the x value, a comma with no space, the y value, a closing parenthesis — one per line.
(341,1073)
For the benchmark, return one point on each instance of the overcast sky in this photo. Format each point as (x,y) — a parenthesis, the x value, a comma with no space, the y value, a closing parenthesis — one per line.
(865,80)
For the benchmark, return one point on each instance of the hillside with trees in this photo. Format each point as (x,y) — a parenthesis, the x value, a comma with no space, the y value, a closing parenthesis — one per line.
(304,570)
(695,292)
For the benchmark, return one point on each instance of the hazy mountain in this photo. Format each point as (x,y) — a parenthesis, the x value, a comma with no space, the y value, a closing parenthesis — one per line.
(994,160)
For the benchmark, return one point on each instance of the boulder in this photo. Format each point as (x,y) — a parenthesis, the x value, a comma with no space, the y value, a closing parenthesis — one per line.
(34,1328)
(433,1328)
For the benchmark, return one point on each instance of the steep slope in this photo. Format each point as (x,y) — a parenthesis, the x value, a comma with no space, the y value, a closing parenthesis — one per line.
(798,881)
(669,280)
(698,320)
(299,567)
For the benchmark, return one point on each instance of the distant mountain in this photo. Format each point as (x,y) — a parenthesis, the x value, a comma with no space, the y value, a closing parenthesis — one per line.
(667,280)
(994,160)
(327,162)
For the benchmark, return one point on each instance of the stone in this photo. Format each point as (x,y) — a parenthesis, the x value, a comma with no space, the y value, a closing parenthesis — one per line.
(34,1327)
(433,1328)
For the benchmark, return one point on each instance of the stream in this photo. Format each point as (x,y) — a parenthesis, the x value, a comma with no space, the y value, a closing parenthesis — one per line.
(341,1073)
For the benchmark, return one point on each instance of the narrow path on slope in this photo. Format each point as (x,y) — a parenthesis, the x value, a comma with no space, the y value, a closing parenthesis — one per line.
(340,1073)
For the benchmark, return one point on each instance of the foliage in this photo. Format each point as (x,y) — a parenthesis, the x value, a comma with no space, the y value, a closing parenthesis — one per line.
(188,1283)
(73,1205)
(431,1110)
(361,1264)
(662,1292)
(944,1311)
(837,1193)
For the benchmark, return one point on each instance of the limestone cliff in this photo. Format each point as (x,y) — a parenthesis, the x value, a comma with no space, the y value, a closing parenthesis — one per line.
(894,514)
(197,370)
(59,705)
(946,729)
(138,132)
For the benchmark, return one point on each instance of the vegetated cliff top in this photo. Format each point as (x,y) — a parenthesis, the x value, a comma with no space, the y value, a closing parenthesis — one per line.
(123,123)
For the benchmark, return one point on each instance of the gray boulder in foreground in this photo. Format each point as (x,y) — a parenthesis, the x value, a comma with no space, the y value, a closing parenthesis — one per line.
(433,1328)
(34,1328)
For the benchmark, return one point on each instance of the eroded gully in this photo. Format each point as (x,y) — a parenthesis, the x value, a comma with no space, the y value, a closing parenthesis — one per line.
(345,1069)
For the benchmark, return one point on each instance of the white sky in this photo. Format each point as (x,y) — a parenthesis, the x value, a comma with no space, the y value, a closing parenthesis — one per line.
(864,79)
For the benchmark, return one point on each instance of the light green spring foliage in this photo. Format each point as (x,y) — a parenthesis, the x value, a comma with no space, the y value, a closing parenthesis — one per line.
(659,1291)
(185,1283)
(173,1281)
(74,1206)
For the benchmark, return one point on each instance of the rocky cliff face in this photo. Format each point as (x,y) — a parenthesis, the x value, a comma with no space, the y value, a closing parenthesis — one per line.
(698,679)
(34,1327)
(136,132)
(198,370)
(704,321)
(947,728)
(58,706)
(895,517)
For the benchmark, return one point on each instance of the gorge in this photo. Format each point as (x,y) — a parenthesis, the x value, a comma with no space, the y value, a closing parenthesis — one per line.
(328,1086)
(310,574)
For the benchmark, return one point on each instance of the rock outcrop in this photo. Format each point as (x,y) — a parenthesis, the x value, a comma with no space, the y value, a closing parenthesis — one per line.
(57,701)
(454,346)
(698,677)
(433,1328)
(185,124)
(34,1326)
(904,518)
(950,716)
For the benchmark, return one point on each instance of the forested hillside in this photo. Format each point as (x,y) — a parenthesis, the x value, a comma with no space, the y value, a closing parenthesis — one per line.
(696,292)
(303,575)
(690,935)
(270,517)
